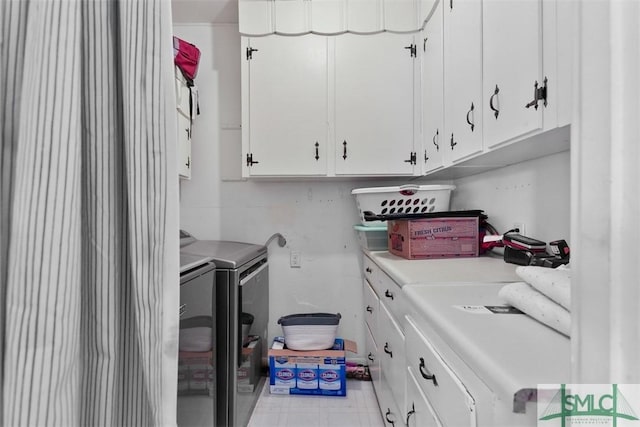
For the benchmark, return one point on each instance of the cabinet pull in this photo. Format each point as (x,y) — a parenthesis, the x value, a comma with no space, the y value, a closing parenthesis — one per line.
(427,375)
(495,110)
(370,357)
(317,153)
(368,270)
(436,138)
(386,350)
(388,294)
(469,121)
(453,144)
(451,4)
(344,150)
(188,164)
(386,417)
(424,44)
(411,412)
(425,156)
(369,309)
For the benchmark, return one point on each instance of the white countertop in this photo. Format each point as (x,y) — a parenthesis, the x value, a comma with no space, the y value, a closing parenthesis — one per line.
(508,352)
(486,268)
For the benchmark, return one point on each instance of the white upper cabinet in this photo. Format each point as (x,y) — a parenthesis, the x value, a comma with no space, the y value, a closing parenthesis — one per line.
(365,16)
(425,8)
(400,15)
(329,17)
(463,78)
(285,106)
(433,135)
(291,16)
(512,65)
(374,112)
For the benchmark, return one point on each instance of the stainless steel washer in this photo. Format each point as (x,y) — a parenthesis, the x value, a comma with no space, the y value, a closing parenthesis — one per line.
(197,395)
(242,292)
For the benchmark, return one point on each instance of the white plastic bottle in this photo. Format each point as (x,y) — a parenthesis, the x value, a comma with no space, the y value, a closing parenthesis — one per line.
(329,377)
(307,376)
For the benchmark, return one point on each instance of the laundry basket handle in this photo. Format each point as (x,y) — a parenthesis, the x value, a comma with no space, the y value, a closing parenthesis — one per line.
(409,189)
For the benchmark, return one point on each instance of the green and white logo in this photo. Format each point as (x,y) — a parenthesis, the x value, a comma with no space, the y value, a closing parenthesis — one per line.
(564,405)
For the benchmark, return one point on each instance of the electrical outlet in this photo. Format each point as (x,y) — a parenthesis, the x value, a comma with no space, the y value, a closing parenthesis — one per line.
(520,226)
(295,259)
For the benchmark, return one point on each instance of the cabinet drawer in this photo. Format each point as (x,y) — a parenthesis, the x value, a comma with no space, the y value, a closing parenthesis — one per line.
(370,308)
(449,397)
(373,359)
(391,350)
(419,411)
(391,296)
(391,414)
(370,270)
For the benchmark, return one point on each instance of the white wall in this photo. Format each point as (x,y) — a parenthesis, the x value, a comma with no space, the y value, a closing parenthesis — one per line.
(317,217)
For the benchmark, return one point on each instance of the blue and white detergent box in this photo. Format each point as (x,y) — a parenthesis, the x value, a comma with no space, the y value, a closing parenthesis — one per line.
(317,372)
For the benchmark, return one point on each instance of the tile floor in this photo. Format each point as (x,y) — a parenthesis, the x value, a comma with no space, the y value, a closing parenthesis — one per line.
(358,409)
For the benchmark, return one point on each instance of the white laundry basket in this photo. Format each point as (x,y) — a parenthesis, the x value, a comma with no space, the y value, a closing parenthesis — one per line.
(405,199)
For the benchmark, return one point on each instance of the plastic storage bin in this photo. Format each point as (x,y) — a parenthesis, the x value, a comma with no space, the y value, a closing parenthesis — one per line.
(372,238)
(310,331)
(402,199)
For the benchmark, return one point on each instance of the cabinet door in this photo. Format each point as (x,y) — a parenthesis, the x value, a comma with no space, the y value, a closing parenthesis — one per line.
(374,104)
(373,359)
(445,391)
(463,77)
(184,146)
(287,106)
(432,94)
(419,411)
(512,63)
(392,356)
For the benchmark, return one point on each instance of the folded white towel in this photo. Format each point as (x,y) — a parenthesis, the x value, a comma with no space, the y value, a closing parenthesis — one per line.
(555,283)
(533,303)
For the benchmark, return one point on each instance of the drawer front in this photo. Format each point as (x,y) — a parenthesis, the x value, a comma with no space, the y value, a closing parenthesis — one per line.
(392,297)
(392,355)
(418,409)
(370,269)
(391,414)
(450,399)
(373,359)
(370,308)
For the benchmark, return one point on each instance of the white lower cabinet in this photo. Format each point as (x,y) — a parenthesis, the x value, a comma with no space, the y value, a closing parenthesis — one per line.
(372,359)
(392,355)
(419,411)
(449,397)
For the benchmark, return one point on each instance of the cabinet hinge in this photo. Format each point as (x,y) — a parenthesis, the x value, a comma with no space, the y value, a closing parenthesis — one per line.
(412,158)
(413,50)
(539,94)
(250,51)
(250,161)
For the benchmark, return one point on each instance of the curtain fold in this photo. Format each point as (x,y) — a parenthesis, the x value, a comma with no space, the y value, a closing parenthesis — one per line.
(87,193)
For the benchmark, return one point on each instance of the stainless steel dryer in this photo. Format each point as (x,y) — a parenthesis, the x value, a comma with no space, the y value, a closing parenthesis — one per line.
(242,292)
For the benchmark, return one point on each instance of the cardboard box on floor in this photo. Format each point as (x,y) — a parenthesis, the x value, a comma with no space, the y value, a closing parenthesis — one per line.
(318,372)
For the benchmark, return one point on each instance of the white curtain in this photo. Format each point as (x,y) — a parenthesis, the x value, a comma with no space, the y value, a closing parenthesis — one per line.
(88,232)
